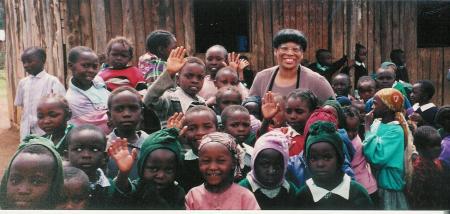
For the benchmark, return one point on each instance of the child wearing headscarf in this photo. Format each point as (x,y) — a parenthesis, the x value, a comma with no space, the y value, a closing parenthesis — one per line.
(329,187)
(267,178)
(158,164)
(388,147)
(36,159)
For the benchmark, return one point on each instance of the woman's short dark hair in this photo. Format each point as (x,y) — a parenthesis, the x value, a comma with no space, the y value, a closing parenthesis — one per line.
(290,35)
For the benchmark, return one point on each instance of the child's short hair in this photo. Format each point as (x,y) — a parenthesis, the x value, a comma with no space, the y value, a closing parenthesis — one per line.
(222,91)
(427,87)
(220,47)
(319,52)
(122,89)
(351,111)
(231,109)
(121,40)
(366,79)
(359,47)
(194,60)
(62,101)
(36,51)
(89,127)
(75,53)
(439,117)
(200,108)
(426,136)
(71,172)
(156,39)
(290,35)
(224,69)
(395,53)
(305,94)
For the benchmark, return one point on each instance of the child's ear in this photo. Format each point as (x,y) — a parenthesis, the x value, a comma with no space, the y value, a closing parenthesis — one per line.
(68,115)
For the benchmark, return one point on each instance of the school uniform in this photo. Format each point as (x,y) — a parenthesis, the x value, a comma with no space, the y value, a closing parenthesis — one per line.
(281,198)
(348,195)
(89,106)
(101,192)
(427,112)
(62,146)
(166,100)
(328,71)
(360,70)
(30,91)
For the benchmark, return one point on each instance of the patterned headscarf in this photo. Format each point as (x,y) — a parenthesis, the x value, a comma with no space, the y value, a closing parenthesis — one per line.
(229,142)
(272,140)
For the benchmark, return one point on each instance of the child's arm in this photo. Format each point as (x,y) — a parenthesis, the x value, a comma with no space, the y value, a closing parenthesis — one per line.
(269,109)
(154,94)
(118,151)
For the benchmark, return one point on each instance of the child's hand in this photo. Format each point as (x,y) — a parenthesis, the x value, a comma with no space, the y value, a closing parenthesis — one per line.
(233,60)
(176,121)
(118,151)
(269,107)
(368,120)
(243,64)
(176,60)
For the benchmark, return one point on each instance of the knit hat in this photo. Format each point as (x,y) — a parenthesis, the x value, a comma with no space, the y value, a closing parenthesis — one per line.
(58,180)
(322,131)
(341,117)
(162,139)
(276,140)
(320,115)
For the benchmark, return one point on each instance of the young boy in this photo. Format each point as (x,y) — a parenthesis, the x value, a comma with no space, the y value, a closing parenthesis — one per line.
(30,89)
(76,190)
(158,45)
(191,74)
(424,110)
(358,64)
(341,85)
(87,146)
(324,66)
(125,114)
(398,57)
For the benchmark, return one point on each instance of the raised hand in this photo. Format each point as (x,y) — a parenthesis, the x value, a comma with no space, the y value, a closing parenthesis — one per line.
(118,151)
(243,64)
(176,60)
(177,121)
(368,120)
(233,60)
(269,107)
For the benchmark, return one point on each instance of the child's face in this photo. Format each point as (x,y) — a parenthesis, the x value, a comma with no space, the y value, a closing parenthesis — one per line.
(215,59)
(366,90)
(165,51)
(216,165)
(75,195)
(160,168)
(51,116)
(238,125)
(269,167)
(325,58)
(199,124)
(379,108)
(29,181)
(352,127)
(119,56)
(32,63)
(85,69)
(417,95)
(87,151)
(297,113)
(341,85)
(362,55)
(323,162)
(229,98)
(191,78)
(126,112)
(226,79)
(385,78)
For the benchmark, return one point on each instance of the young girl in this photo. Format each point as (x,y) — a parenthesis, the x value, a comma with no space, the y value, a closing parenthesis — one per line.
(34,177)
(219,164)
(159,163)
(199,121)
(424,109)
(87,95)
(329,188)
(53,112)
(119,52)
(363,174)
(267,179)
(387,147)
(191,73)
(75,194)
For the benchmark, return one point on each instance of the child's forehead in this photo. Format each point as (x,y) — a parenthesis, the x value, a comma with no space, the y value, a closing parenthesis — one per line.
(366,84)
(213,149)
(238,114)
(216,52)
(322,147)
(202,116)
(87,137)
(87,56)
(32,162)
(125,96)
(193,68)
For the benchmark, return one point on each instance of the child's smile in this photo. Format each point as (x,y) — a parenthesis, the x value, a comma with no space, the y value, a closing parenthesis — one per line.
(216,165)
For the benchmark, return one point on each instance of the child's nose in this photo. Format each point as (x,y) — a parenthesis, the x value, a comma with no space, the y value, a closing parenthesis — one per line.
(23,189)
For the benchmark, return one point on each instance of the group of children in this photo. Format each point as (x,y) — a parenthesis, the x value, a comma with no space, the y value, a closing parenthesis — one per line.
(101,146)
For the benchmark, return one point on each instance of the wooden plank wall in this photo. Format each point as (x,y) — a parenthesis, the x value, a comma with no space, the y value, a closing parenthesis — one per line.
(31,23)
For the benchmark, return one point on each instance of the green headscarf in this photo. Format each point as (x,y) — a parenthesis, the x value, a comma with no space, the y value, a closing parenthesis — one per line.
(341,117)
(162,139)
(322,131)
(58,180)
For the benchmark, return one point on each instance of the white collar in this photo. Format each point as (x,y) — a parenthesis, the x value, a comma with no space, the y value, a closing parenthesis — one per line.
(423,107)
(186,99)
(39,75)
(189,155)
(343,189)
(271,193)
(102,179)
(360,64)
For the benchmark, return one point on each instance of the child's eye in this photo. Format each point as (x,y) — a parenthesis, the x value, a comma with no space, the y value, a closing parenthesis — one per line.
(95,149)
(14,180)
(79,149)
(169,171)
(118,108)
(37,181)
